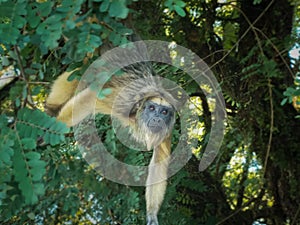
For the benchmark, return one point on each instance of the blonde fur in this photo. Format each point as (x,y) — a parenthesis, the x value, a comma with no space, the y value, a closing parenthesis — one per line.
(128,93)
(62,90)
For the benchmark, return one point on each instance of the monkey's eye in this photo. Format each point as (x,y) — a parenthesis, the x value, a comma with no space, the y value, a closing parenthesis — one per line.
(151,107)
(164,112)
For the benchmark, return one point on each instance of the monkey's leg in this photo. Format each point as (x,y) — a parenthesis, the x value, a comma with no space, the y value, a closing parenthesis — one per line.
(62,90)
(157,180)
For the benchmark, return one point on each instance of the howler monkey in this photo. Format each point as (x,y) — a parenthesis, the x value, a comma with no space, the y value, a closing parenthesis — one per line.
(141,103)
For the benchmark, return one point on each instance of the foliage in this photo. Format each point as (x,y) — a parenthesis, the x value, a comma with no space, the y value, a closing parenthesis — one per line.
(43,176)
(292,94)
(21,166)
(176,5)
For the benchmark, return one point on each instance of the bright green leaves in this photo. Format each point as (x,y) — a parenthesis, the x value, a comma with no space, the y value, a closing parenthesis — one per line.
(11,20)
(116,8)
(177,6)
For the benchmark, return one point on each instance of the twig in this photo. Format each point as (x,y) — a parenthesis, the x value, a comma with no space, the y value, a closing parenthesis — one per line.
(271,127)
(296,216)
(28,98)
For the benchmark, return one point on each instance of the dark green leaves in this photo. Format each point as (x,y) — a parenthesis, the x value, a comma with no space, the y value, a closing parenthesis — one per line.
(34,124)
(28,170)
(118,9)
(289,94)
(20,161)
(88,42)
(11,20)
(115,8)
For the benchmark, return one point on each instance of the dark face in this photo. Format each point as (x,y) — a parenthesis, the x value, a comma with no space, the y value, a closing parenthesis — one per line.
(157,117)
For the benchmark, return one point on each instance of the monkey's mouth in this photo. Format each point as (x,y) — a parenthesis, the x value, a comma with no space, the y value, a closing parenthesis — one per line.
(155,129)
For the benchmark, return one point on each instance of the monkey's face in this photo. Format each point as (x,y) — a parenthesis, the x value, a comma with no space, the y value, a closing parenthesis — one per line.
(157,117)
(155,121)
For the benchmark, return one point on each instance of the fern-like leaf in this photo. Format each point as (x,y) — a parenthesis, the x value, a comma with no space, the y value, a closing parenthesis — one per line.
(34,124)
(6,154)
(28,169)
(13,16)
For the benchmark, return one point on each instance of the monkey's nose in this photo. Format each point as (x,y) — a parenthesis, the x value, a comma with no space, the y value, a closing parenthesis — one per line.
(156,120)
(155,124)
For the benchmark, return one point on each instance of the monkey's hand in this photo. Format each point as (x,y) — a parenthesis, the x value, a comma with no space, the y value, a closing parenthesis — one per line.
(152,219)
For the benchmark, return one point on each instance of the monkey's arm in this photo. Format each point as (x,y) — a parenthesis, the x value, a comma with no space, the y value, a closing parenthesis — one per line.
(158,170)
(84,104)
(78,107)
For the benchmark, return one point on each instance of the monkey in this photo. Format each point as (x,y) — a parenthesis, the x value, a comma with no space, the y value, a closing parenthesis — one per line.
(139,101)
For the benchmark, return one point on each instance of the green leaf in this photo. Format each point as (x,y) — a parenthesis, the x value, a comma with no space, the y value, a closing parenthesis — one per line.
(230,36)
(6,146)
(180,3)
(179,11)
(87,42)
(9,35)
(115,38)
(44,8)
(104,6)
(39,188)
(169,4)
(27,191)
(118,9)
(256,2)
(32,18)
(283,102)
(290,91)
(70,24)
(13,16)
(50,31)
(28,143)
(38,173)
(33,155)
(29,170)
(297,92)
(104,92)
(31,215)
